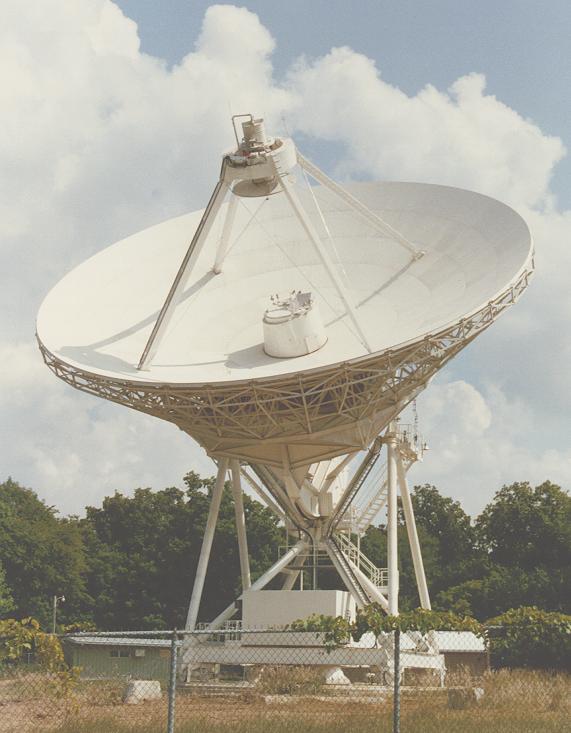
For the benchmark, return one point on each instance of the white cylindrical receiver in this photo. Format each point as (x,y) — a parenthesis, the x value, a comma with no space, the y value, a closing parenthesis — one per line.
(293,327)
(254,132)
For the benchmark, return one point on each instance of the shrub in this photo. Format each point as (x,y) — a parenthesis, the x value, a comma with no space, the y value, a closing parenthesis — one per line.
(17,637)
(372,618)
(529,637)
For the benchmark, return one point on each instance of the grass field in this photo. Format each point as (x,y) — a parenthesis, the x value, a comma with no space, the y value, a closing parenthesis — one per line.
(518,702)
(290,721)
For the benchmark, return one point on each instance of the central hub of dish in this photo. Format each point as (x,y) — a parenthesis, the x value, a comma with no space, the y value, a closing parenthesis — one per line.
(293,326)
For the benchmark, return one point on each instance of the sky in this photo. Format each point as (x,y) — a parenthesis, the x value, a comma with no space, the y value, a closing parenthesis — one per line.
(114,116)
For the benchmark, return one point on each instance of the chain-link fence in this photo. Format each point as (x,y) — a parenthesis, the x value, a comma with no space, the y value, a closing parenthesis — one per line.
(259,680)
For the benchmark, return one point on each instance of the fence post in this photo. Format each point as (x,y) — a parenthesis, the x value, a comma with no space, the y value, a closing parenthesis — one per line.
(396,691)
(172,682)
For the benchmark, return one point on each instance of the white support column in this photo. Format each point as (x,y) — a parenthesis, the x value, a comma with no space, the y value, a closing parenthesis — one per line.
(277,567)
(240,524)
(392,522)
(185,269)
(206,545)
(309,229)
(226,232)
(268,479)
(315,559)
(413,536)
(292,576)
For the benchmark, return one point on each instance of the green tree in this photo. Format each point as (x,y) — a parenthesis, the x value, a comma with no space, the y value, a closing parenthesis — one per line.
(446,528)
(131,562)
(527,531)
(136,548)
(6,600)
(525,537)
(42,556)
(449,550)
(446,521)
(499,589)
(527,527)
(529,637)
(143,551)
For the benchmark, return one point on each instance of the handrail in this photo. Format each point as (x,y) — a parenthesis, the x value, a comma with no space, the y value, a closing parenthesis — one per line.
(373,506)
(378,576)
(346,571)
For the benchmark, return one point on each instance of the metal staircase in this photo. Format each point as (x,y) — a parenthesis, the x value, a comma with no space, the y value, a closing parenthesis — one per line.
(377,576)
(343,567)
(355,485)
(411,448)
(372,508)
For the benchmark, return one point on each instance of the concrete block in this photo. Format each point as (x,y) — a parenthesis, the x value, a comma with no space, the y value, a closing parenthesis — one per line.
(139,690)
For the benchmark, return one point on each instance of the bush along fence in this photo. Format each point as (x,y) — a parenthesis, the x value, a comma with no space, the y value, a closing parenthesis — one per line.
(419,672)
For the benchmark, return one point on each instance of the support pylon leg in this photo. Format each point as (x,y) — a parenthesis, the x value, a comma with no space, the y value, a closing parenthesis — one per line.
(185,270)
(292,576)
(392,519)
(206,546)
(240,524)
(413,536)
(379,224)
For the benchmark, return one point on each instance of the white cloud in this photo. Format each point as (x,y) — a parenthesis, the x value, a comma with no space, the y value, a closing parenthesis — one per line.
(471,413)
(76,448)
(462,137)
(481,441)
(98,139)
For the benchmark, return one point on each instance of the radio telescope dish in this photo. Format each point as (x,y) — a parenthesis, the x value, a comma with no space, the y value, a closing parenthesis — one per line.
(416,314)
(288,324)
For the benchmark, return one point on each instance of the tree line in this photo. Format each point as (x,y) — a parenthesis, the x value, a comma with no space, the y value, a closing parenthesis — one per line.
(130,563)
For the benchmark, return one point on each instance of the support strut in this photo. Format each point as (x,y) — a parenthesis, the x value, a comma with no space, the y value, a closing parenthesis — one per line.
(240,524)
(392,517)
(202,566)
(413,536)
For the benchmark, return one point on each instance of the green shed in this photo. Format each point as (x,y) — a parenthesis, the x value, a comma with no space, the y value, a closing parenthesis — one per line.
(118,657)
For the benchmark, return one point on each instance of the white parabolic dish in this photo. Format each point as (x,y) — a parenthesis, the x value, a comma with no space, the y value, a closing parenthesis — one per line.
(93,326)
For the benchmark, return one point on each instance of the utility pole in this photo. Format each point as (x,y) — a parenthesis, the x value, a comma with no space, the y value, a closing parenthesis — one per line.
(56,600)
